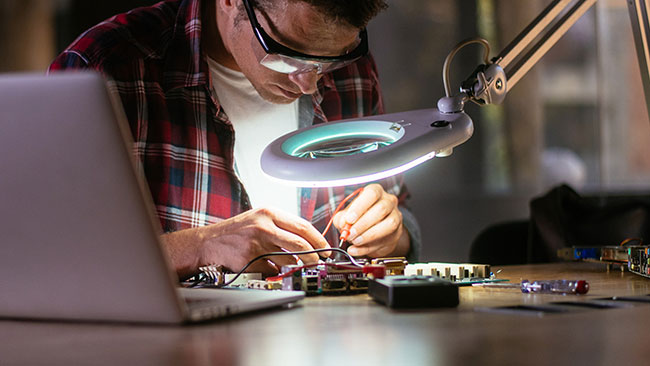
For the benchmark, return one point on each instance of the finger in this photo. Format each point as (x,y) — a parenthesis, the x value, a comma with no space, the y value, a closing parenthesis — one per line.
(283,260)
(293,243)
(377,248)
(390,225)
(301,228)
(264,267)
(342,226)
(278,239)
(372,250)
(377,213)
(370,194)
(339,220)
(279,260)
(271,238)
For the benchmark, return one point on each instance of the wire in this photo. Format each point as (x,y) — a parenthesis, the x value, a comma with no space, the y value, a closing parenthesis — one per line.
(632,241)
(273,254)
(338,208)
(450,56)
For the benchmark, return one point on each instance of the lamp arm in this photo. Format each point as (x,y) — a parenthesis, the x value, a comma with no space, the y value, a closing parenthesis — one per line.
(640,19)
(530,46)
(491,81)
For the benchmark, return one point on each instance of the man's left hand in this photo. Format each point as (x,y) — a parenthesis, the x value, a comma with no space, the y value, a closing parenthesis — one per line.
(377,229)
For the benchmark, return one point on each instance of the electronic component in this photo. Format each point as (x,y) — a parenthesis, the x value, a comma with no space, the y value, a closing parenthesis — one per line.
(264,285)
(241,280)
(635,258)
(300,279)
(613,254)
(401,292)
(639,260)
(455,272)
(395,266)
(374,270)
(358,284)
(214,275)
(334,283)
(328,278)
(579,253)
(211,275)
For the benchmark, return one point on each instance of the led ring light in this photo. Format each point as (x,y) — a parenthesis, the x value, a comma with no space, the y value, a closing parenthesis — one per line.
(364,150)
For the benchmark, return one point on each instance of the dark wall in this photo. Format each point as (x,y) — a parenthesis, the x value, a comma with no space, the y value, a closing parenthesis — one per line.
(79,15)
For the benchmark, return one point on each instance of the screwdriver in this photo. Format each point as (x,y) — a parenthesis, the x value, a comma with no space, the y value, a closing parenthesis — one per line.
(576,287)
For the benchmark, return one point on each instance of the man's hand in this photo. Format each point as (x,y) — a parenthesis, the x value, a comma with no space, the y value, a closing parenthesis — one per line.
(235,241)
(377,229)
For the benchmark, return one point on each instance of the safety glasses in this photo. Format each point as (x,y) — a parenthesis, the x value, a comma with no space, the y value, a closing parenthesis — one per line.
(280,58)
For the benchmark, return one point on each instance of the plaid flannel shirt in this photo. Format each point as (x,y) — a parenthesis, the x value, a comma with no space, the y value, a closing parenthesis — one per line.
(152,58)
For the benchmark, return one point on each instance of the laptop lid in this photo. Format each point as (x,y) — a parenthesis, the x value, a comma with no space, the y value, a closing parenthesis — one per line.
(80,240)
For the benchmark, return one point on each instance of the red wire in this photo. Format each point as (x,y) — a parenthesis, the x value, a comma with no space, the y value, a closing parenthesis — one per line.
(338,208)
(329,224)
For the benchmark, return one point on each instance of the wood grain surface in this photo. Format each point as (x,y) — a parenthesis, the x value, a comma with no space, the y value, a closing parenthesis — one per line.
(354,330)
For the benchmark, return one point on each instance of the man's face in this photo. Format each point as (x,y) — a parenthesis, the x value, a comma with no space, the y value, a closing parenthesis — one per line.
(296,25)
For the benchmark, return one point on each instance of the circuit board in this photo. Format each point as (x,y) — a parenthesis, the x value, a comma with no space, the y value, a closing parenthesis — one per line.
(636,258)
(344,278)
(613,254)
(639,260)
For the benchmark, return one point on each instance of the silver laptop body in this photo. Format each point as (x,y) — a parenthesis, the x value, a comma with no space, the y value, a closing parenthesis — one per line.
(79,237)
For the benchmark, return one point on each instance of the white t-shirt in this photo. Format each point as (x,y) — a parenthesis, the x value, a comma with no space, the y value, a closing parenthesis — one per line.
(256,123)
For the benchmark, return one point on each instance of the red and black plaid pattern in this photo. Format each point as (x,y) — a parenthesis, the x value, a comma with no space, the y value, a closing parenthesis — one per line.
(152,58)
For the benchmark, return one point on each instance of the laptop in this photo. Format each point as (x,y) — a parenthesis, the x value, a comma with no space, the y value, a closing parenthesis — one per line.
(79,235)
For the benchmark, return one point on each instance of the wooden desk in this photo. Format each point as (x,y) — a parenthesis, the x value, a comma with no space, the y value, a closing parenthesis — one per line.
(353,330)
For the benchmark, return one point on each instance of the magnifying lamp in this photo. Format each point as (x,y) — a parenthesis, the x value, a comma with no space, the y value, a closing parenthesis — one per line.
(361,150)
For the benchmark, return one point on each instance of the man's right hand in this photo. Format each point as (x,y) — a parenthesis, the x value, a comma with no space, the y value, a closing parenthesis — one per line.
(232,243)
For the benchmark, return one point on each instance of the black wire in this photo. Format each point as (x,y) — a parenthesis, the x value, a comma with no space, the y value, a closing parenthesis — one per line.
(632,242)
(272,254)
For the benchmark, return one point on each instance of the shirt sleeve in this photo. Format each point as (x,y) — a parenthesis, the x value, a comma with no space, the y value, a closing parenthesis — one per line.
(68,60)
(413,228)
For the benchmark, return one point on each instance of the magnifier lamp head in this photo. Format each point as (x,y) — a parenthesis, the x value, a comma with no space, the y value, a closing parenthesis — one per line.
(364,150)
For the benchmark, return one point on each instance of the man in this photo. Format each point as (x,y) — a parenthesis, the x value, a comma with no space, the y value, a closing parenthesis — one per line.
(206,85)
